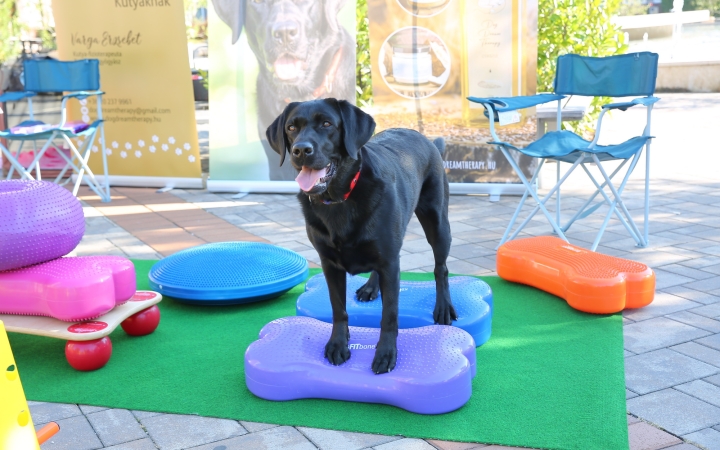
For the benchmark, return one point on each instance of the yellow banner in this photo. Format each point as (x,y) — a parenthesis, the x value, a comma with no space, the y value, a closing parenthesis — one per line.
(148,108)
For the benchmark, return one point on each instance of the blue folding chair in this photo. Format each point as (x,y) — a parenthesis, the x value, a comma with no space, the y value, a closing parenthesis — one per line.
(614,76)
(78,80)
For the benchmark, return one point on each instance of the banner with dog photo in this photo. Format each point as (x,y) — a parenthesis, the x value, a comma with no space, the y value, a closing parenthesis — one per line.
(265,55)
(429,55)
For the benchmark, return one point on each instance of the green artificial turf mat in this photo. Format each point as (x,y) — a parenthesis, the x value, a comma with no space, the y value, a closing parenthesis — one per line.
(549,377)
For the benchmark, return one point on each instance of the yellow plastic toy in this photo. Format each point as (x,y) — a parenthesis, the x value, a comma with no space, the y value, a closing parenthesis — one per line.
(16,426)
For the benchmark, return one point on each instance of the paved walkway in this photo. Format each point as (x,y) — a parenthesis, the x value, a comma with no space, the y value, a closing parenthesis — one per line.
(672,347)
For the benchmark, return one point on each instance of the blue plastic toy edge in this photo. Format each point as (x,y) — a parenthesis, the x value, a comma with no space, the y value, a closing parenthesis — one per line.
(223,296)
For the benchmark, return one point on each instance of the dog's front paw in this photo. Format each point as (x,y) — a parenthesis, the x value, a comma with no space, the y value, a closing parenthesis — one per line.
(368,291)
(385,359)
(336,351)
(444,313)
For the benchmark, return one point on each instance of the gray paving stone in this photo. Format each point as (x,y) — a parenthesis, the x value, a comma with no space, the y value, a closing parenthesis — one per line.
(116,426)
(174,431)
(662,304)
(140,444)
(705,285)
(661,369)
(708,438)
(343,440)
(42,412)
(691,294)
(674,411)
(665,279)
(711,341)
(87,409)
(687,271)
(285,438)
(715,379)
(683,446)
(711,311)
(629,394)
(405,444)
(450,445)
(643,436)
(253,427)
(627,353)
(702,390)
(144,414)
(657,333)
(697,321)
(699,352)
(75,434)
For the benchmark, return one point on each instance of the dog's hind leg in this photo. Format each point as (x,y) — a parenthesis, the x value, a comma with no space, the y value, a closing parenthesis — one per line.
(432,212)
(336,349)
(370,290)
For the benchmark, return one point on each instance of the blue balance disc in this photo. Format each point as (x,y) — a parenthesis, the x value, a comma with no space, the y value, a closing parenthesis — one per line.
(228,273)
(471,297)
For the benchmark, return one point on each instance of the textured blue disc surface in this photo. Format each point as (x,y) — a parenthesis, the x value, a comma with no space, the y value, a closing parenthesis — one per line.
(471,297)
(227,273)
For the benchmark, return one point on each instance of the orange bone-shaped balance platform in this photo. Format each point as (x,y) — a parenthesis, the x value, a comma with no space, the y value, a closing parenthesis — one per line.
(587,281)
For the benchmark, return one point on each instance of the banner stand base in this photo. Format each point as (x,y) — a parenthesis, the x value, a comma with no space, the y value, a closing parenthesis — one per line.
(495,190)
(165,183)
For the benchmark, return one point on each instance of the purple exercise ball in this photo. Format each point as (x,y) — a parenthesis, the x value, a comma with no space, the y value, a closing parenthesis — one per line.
(39,221)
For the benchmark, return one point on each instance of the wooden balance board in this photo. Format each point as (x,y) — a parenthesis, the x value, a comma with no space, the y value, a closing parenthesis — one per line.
(88,346)
(81,331)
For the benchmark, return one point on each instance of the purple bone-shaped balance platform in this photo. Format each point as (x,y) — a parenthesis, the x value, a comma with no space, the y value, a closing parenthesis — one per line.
(471,297)
(68,289)
(433,375)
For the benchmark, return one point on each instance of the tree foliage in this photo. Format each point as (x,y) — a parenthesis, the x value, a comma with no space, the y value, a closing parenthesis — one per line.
(9,30)
(363,76)
(583,27)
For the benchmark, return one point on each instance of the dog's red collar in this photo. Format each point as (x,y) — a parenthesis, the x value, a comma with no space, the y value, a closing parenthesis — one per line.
(353,182)
(327,86)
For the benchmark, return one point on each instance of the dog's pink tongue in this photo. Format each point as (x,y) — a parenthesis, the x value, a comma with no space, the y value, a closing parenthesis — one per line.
(287,68)
(308,177)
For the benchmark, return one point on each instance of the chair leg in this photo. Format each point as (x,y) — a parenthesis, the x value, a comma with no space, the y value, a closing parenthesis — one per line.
(541,206)
(521,204)
(15,165)
(83,159)
(583,211)
(646,225)
(540,203)
(613,208)
(557,180)
(618,198)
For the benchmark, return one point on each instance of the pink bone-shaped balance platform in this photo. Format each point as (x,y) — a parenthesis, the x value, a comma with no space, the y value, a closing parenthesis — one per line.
(68,289)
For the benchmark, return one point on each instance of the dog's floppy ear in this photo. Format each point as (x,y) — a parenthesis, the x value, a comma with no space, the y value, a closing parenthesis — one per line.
(357,127)
(276,136)
(332,7)
(232,12)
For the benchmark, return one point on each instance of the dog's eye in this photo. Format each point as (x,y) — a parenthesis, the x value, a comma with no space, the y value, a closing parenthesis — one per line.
(326,124)
(292,128)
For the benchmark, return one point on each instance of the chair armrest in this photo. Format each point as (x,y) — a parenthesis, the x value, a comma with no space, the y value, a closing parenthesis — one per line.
(16,96)
(82,94)
(645,101)
(502,104)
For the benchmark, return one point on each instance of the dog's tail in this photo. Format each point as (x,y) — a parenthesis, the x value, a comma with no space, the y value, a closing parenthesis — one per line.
(440,144)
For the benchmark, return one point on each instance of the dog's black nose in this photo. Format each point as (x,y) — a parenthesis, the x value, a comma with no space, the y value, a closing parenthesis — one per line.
(302,148)
(285,32)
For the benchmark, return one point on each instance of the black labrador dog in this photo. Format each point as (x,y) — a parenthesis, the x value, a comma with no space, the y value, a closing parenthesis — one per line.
(358,195)
(303,53)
